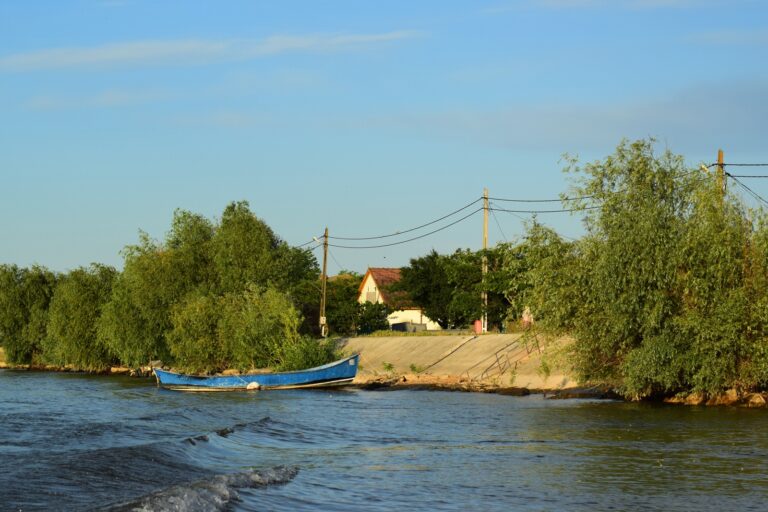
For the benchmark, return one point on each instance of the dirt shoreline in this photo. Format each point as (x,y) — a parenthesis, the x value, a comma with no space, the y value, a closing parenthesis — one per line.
(394,380)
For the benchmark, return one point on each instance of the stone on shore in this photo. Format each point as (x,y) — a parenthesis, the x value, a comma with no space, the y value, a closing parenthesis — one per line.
(755,400)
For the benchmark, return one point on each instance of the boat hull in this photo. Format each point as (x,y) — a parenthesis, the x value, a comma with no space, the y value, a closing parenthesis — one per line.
(338,373)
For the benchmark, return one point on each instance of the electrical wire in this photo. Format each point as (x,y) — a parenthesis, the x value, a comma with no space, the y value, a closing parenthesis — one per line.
(397,233)
(572,239)
(563,199)
(748,175)
(498,224)
(749,190)
(567,210)
(726,164)
(410,239)
(337,261)
(307,243)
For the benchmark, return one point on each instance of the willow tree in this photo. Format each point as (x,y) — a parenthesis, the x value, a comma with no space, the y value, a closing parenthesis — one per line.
(74,312)
(25,295)
(669,273)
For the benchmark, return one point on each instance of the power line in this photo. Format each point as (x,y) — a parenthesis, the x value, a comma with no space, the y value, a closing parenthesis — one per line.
(563,199)
(752,192)
(307,243)
(541,223)
(410,239)
(748,175)
(725,164)
(397,233)
(337,261)
(498,224)
(492,206)
(566,210)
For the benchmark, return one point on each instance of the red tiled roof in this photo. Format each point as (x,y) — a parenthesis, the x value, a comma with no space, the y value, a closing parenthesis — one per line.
(384,278)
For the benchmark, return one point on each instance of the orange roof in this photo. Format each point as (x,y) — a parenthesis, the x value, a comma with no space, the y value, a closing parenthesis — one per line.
(384,278)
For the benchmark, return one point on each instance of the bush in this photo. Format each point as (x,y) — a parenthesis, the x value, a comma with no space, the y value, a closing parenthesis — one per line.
(306,352)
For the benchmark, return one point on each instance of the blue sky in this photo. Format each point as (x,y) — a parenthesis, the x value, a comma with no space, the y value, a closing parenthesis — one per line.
(367,117)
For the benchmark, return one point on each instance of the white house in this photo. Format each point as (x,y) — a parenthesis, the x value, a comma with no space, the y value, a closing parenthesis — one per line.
(375,289)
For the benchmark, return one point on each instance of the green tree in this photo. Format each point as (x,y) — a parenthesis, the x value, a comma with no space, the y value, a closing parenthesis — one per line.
(243,330)
(342,308)
(189,245)
(73,316)
(372,317)
(134,322)
(541,273)
(448,287)
(25,295)
(630,254)
(427,284)
(666,292)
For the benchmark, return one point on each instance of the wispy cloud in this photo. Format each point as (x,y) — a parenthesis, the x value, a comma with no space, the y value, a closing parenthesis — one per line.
(722,115)
(222,119)
(105,99)
(731,37)
(192,51)
(593,4)
(113,3)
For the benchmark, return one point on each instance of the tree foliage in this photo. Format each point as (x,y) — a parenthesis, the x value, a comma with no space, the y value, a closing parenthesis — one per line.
(73,315)
(242,330)
(198,274)
(449,287)
(372,317)
(25,295)
(666,292)
(342,309)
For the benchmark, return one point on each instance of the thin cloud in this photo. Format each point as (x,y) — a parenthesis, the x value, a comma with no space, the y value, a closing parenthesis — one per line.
(221,119)
(600,4)
(193,51)
(106,99)
(731,37)
(720,115)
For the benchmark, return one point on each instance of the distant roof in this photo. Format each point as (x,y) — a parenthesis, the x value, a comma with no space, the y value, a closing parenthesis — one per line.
(384,278)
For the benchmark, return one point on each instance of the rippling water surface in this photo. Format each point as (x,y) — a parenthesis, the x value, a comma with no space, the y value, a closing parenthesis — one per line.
(77,442)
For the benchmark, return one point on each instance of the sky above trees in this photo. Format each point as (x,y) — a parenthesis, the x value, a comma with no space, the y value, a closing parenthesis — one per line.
(365,117)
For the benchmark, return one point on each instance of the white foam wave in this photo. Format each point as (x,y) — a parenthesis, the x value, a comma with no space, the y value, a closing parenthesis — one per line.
(215,493)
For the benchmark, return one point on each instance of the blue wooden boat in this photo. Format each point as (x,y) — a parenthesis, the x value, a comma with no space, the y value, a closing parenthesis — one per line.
(338,373)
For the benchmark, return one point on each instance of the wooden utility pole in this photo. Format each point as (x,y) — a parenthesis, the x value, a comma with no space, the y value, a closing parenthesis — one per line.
(721,181)
(323,322)
(485,260)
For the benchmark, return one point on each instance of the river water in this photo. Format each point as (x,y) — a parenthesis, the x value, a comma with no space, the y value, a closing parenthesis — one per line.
(78,442)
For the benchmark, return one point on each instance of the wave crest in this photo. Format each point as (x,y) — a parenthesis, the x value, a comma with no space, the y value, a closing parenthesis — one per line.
(215,493)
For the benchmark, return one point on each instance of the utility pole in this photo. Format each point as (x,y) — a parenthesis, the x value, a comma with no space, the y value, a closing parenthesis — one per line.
(323,323)
(721,181)
(485,260)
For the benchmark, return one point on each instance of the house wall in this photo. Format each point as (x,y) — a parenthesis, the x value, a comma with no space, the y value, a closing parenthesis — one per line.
(369,290)
(414,316)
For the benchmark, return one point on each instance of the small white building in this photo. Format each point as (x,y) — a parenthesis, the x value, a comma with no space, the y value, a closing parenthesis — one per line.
(375,289)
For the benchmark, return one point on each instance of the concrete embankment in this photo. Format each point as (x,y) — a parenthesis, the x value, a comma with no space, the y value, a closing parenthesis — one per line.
(471,362)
